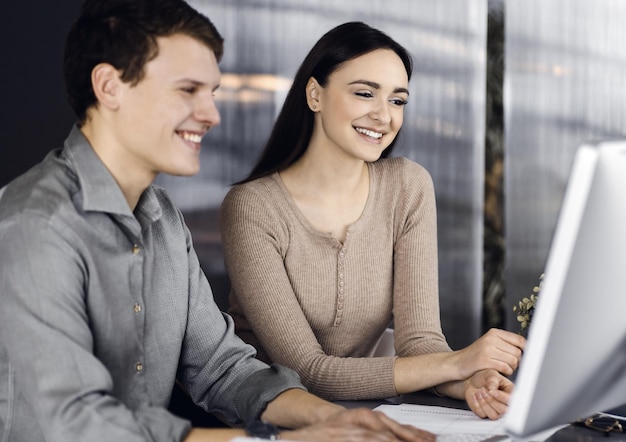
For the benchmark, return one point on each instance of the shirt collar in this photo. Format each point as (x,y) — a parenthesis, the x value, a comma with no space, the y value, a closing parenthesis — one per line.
(100,191)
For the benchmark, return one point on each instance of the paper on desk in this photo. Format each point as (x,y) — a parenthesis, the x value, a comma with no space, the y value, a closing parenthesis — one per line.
(442,421)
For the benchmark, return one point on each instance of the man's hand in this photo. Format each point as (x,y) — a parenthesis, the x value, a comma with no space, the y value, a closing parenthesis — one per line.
(361,424)
(487,393)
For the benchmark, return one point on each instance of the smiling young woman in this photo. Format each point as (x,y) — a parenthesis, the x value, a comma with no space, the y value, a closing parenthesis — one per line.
(329,239)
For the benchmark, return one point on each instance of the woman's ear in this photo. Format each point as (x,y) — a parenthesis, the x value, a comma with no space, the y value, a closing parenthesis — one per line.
(313,89)
(106,82)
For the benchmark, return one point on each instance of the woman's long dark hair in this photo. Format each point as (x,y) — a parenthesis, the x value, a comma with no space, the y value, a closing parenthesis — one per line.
(294,126)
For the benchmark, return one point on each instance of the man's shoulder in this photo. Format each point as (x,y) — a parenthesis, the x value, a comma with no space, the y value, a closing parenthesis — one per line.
(43,190)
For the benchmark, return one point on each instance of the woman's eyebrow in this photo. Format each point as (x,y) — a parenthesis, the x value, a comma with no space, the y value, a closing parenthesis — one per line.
(375,85)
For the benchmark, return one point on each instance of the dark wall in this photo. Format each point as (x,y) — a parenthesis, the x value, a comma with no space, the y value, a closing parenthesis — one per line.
(35,116)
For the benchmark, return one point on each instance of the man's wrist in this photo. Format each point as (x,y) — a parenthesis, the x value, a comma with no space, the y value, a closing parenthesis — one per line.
(437,392)
(262,430)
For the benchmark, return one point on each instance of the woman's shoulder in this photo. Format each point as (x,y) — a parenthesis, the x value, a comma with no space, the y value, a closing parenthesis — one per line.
(259,205)
(262,193)
(404,169)
(257,188)
(404,184)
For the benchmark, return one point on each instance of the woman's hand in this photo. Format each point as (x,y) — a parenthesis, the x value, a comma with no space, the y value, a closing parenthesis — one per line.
(487,393)
(497,349)
(360,424)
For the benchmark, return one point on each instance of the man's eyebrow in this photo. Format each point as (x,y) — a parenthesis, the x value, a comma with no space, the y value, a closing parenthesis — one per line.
(190,80)
(375,85)
(198,83)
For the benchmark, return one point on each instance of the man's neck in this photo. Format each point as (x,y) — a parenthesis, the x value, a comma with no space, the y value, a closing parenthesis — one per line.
(132,182)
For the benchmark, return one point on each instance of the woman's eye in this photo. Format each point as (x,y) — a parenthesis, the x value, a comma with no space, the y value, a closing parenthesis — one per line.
(364,94)
(189,90)
(399,101)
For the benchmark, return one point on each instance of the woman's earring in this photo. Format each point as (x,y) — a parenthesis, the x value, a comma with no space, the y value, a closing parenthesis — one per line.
(314,106)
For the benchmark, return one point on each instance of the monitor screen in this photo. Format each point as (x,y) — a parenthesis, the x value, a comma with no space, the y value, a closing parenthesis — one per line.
(574,363)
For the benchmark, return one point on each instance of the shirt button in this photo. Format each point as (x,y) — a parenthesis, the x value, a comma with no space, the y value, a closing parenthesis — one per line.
(137,308)
(138,367)
(135,249)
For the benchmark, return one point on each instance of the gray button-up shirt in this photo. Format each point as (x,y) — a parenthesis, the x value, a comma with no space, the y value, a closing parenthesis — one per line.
(101,310)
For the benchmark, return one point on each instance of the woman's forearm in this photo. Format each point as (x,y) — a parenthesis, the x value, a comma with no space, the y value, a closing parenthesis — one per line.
(415,373)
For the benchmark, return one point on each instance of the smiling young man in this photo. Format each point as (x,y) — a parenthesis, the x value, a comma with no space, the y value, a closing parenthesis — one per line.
(104,304)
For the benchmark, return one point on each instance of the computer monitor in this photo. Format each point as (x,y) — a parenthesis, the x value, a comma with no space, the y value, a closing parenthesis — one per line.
(574,363)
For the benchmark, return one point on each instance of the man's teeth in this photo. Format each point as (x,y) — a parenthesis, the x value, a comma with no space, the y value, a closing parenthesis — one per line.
(194,138)
(369,133)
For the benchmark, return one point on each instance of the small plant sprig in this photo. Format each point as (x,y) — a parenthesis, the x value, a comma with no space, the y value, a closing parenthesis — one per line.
(526,307)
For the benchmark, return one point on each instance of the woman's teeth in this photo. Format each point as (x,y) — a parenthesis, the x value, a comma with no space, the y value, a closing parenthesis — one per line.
(193,138)
(369,133)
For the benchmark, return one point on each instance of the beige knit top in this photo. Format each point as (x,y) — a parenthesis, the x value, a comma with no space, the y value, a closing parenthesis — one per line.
(309,302)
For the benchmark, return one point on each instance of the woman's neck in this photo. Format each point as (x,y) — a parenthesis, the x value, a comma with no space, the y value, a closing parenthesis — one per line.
(319,173)
(330,195)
